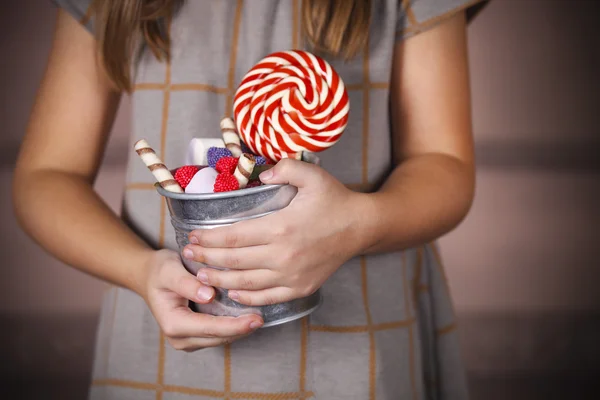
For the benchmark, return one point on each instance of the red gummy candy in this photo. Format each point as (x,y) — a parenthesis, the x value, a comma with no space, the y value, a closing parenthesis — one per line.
(253,183)
(184,175)
(226,182)
(226,165)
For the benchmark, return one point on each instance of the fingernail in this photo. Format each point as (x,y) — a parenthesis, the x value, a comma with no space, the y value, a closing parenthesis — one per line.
(202,277)
(205,293)
(255,325)
(187,253)
(193,239)
(234,296)
(266,175)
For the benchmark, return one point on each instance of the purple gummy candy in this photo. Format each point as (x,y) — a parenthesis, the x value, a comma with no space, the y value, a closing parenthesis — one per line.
(260,160)
(214,154)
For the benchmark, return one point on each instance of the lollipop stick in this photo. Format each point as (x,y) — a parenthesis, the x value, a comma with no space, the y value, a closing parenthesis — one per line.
(160,171)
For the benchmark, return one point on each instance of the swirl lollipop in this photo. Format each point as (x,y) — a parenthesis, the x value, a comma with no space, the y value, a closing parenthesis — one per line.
(291,102)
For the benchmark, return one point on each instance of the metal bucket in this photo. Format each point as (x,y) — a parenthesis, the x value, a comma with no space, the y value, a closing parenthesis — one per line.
(211,210)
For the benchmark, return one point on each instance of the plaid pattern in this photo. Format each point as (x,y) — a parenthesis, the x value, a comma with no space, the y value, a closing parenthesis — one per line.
(386,329)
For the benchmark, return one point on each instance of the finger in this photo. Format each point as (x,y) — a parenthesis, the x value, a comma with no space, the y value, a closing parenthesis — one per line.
(255,279)
(294,172)
(194,344)
(243,258)
(184,323)
(263,297)
(241,234)
(176,278)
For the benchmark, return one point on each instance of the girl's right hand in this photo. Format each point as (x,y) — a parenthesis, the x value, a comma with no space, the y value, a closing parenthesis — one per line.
(168,288)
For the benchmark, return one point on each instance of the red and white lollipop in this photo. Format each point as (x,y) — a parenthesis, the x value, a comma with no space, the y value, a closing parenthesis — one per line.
(291,102)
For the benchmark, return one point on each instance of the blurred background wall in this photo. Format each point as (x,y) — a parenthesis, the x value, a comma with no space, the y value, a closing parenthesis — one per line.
(523,266)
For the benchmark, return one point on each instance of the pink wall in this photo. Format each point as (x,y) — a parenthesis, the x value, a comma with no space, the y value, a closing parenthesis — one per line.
(527,246)
(528,243)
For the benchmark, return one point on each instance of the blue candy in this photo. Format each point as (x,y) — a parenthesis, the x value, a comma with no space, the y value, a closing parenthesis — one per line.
(214,154)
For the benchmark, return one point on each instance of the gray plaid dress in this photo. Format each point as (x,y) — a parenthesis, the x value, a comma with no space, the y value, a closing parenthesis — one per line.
(386,329)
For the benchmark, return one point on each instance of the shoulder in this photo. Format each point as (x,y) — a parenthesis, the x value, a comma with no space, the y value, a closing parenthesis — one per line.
(416,16)
(79,9)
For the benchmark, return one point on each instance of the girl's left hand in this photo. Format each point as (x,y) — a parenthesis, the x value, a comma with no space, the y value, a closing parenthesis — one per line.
(288,254)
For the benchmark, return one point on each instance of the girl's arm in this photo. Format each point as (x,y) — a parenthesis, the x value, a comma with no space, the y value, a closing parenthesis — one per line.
(53,195)
(432,188)
(57,206)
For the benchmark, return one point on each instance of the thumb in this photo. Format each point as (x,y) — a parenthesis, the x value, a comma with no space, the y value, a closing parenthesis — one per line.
(294,172)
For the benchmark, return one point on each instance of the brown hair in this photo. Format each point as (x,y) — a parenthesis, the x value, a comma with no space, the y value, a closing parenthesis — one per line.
(336,27)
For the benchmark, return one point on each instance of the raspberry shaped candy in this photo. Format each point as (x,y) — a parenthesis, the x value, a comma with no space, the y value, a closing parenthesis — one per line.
(184,175)
(226,183)
(226,165)
(214,154)
(253,183)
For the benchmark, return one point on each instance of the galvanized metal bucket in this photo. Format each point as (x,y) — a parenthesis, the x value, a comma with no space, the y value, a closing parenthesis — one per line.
(207,211)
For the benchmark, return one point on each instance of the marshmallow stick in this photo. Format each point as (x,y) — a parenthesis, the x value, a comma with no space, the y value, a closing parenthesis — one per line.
(231,137)
(244,169)
(157,167)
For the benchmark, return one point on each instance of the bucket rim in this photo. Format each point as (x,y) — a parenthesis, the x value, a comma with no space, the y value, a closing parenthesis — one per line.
(215,196)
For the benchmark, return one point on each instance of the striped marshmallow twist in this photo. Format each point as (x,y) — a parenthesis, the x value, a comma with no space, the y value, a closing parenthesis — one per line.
(291,102)
(160,171)
(244,169)
(230,137)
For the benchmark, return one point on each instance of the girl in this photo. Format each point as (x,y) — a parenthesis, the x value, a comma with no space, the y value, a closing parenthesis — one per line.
(360,228)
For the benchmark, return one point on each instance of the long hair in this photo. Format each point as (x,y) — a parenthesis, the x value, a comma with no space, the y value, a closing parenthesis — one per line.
(335,27)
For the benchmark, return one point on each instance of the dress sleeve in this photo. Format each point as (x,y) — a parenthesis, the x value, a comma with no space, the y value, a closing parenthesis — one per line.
(79,9)
(416,16)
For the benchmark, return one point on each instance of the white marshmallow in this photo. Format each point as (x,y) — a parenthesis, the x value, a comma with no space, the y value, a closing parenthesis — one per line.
(203,181)
(198,148)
